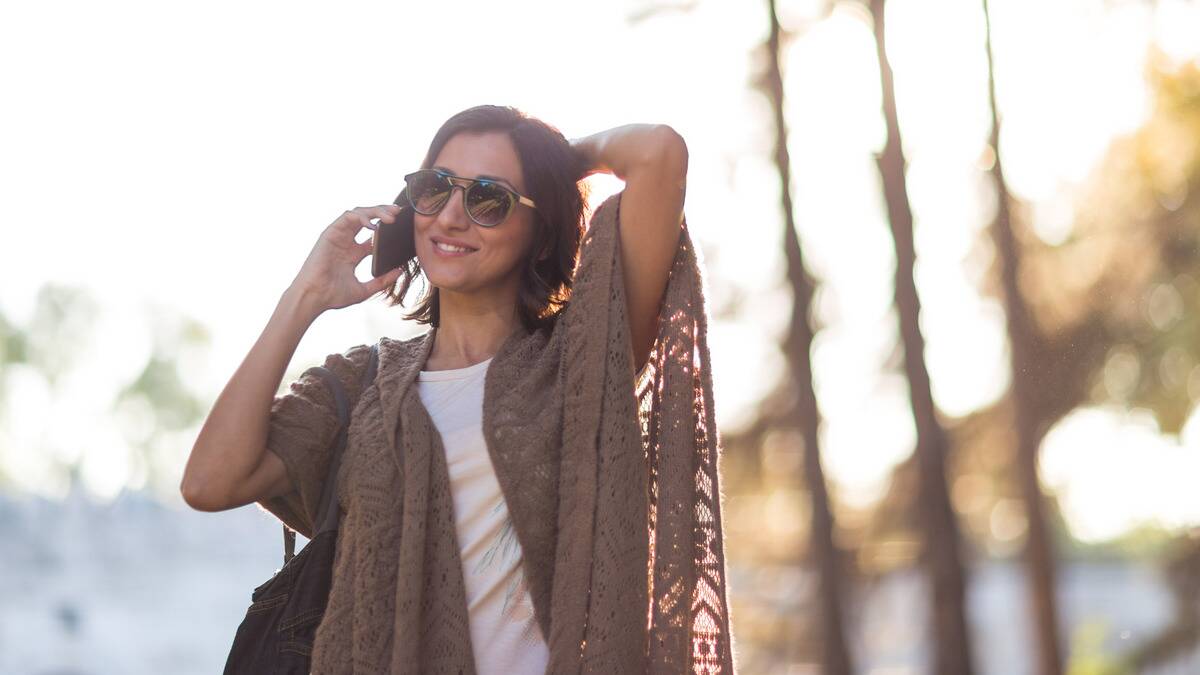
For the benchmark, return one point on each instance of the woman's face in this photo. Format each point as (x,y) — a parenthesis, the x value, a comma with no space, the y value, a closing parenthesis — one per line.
(498,251)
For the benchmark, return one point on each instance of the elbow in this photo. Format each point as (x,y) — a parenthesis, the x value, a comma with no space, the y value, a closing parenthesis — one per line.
(197,498)
(663,159)
(191,496)
(669,149)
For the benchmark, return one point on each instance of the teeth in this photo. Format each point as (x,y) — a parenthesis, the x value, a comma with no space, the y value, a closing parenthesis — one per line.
(453,249)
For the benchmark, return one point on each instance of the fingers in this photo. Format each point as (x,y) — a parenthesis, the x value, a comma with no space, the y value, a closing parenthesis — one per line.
(365,248)
(382,281)
(361,216)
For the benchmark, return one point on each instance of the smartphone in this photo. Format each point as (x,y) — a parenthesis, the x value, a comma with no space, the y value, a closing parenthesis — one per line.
(394,244)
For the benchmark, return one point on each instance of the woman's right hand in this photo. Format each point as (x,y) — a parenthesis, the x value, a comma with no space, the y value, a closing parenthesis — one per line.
(327,276)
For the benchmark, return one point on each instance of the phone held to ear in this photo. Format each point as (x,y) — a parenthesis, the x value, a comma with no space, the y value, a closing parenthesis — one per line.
(394,244)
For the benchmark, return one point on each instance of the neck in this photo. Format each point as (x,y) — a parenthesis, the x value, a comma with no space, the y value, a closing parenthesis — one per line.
(470,330)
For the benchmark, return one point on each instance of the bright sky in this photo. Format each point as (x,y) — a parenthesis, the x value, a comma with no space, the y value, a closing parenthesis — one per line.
(187,157)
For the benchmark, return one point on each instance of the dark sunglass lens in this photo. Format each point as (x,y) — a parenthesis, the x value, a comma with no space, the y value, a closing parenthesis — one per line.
(488,203)
(428,191)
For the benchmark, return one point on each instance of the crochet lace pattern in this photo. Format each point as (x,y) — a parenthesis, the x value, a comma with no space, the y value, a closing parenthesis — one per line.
(611,482)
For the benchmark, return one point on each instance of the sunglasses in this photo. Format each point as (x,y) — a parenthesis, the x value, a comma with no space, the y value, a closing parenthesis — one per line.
(487,202)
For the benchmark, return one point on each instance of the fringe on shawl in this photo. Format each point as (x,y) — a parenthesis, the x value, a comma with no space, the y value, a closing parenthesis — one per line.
(676,411)
(687,619)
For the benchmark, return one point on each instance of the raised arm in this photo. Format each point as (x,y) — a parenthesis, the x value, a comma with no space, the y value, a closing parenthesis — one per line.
(229,465)
(652,159)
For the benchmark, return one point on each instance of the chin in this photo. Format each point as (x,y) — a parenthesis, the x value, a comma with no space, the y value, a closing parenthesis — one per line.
(438,277)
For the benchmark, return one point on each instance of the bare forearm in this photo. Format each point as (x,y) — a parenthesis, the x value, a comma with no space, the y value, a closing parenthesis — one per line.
(622,150)
(234,436)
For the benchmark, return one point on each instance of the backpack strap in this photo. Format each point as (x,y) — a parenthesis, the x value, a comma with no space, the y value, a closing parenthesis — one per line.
(327,516)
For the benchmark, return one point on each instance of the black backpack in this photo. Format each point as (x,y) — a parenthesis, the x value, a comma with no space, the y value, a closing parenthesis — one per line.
(276,636)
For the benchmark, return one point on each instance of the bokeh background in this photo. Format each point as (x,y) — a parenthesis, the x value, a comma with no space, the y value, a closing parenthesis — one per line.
(952,255)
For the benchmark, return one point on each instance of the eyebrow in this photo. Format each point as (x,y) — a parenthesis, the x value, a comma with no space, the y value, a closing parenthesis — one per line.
(484,176)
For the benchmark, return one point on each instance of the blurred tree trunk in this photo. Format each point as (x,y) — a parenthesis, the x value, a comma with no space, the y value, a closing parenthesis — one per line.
(941,540)
(1024,345)
(835,655)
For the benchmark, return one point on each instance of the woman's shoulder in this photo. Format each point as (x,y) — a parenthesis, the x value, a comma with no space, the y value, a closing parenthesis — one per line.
(348,366)
(349,362)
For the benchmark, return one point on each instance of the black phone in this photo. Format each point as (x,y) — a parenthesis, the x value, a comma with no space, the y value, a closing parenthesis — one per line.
(394,244)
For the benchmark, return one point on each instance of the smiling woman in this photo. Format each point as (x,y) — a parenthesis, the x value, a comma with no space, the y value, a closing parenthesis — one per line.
(536,162)
(498,502)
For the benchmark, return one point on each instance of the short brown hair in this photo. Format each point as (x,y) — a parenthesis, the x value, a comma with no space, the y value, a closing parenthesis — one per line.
(553,175)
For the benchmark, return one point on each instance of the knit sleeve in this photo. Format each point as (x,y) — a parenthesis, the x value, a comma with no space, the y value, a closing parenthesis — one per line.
(303,427)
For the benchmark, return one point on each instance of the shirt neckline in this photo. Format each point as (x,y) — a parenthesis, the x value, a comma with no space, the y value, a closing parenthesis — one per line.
(453,373)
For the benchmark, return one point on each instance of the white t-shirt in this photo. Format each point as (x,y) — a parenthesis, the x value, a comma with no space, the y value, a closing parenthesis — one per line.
(504,632)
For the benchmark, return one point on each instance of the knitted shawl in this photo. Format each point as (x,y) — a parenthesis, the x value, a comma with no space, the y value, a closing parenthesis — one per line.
(611,482)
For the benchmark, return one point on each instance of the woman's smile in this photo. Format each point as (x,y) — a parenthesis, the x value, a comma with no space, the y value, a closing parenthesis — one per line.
(450,249)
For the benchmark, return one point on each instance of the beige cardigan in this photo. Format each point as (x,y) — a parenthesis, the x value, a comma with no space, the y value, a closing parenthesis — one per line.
(612,486)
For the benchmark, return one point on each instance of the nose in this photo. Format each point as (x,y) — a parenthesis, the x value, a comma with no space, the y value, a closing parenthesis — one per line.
(453,214)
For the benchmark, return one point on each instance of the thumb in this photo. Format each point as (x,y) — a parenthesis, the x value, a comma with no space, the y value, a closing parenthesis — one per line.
(384,280)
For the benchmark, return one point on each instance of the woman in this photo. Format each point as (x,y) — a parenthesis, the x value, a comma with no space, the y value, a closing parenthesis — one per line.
(509,503)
